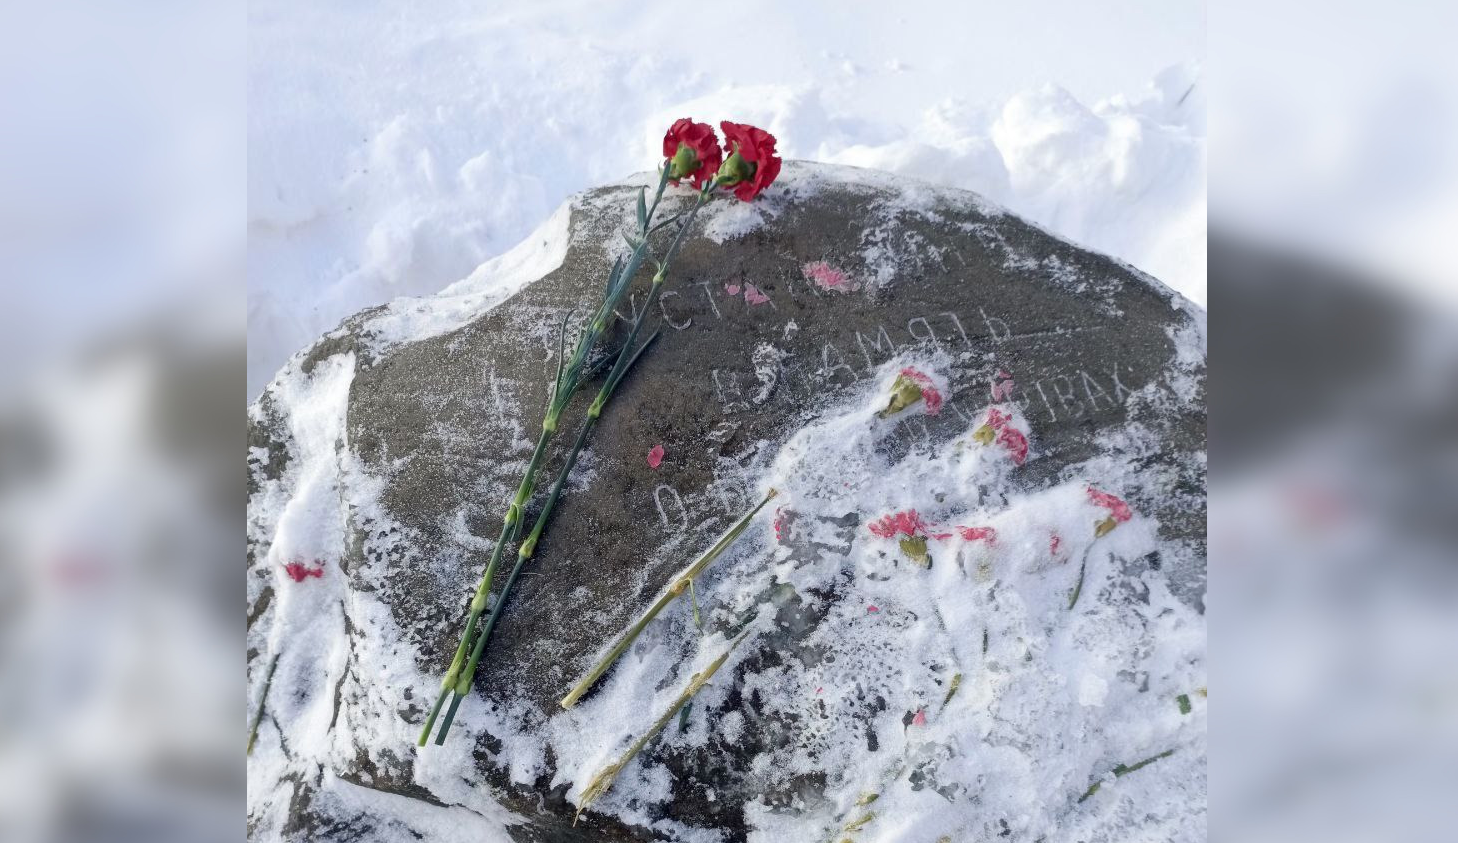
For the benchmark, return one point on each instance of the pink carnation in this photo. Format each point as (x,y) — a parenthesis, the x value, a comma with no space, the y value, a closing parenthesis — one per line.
(929,392)
(908,522)
(1009,437)
(1118,510)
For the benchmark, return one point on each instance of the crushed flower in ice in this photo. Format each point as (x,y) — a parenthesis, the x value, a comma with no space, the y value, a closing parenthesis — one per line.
(826,277)
(298,571)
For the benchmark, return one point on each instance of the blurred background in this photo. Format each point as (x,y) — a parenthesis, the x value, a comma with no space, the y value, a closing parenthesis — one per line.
(190,192)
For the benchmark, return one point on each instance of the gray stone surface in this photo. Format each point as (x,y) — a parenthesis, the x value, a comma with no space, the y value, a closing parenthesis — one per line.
(448,421)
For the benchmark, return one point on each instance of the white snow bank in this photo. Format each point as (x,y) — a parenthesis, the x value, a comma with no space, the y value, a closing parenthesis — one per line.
(392,151)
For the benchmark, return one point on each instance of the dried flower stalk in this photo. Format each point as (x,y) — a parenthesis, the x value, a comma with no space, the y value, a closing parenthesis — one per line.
(675,588)
(603,781)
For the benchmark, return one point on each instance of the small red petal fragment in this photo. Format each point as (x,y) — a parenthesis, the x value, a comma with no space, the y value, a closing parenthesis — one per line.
(920,718)
(753,295)
(1118,510)
(298,571)
(655,456)
(780,525)
(818,690)
(1002,386)
(731,289)
(1055,541)
(873,608)
(973,534)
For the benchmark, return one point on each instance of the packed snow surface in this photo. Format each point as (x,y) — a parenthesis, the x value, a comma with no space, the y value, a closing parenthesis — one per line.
(393,151)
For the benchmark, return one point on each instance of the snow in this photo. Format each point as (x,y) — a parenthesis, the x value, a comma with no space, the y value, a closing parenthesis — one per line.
(393,151)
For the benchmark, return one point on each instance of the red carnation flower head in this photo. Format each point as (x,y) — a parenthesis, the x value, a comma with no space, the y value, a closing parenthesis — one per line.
(692,150)
(752,164)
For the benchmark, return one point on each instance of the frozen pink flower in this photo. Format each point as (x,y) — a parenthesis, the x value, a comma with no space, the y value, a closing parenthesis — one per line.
(655,456)
(908,522)
(731,289)
(998,428)
(920,718)
(1118,510)
(872,609)
(826,277)
(973,534)
(780,525)
(1015,442)
(929,392)
(753,295)
(298,571)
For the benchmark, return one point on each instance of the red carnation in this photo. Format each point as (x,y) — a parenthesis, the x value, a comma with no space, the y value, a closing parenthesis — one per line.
(752,164)
(692,150)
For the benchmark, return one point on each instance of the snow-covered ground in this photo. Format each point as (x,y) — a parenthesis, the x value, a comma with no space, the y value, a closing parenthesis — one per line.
(394,148)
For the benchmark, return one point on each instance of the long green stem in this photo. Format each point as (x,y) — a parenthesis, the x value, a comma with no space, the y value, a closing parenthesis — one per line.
(262,698)
(675,588)
(1124,770)
(528,547)
(569,378)
(625,359)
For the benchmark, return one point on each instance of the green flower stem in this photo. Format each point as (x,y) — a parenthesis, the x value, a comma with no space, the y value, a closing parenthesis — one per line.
(569,378)
(603,781)
(262,698)
(528,547)
(675,588)
(1124,770)
(625,359)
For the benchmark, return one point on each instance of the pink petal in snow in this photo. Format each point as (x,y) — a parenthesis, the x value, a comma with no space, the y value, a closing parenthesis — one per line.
(1002,386)
(753,295)
(973,534)
(873,609)
(731,289)
(826,277)
(908,522)
(1118,510)
(655,456)
(920,718)
(298,571)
